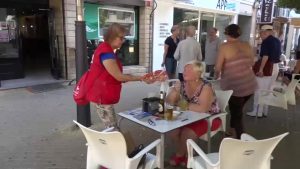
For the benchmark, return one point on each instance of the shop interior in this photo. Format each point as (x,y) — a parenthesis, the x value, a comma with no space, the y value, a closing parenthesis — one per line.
(25,47)
(186,17)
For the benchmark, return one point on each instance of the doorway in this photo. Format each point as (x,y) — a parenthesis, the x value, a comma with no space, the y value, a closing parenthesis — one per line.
(25,47)
(207,22)
(34,38)
(293,42)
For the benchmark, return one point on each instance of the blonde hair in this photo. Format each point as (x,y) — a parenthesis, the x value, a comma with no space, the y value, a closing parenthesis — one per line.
(198,67)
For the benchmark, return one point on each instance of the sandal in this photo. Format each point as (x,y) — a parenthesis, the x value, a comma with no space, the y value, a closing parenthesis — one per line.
(177,160)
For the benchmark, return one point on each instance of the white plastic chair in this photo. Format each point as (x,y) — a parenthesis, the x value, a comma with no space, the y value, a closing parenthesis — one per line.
(289,90)
(235,154)
(222,99)
(165,86)
(279,99)
(108,149)
(204,68)
(291,96)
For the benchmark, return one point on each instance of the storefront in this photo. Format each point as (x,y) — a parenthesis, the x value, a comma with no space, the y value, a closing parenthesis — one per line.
(202,14)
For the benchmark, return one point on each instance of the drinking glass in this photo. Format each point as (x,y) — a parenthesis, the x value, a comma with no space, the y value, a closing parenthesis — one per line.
(169,112)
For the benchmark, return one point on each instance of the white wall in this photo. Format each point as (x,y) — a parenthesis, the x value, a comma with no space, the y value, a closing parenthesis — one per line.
(163,21)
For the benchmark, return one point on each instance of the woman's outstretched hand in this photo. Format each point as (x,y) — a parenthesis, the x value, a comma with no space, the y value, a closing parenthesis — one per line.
(158,75)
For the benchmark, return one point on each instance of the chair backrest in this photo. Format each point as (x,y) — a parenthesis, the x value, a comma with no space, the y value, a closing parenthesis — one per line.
(272,98)
(290,90)
(292,64)
(106,148)
(165,86)
(251,154)
(204,68)
(223,97)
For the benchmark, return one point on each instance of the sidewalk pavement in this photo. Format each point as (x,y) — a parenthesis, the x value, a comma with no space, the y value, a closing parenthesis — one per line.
(37,132)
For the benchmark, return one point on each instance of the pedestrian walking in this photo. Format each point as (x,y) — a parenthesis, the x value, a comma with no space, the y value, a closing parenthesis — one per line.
(212,45)
(169,49)
(187,50)
(234,65)
(266,67)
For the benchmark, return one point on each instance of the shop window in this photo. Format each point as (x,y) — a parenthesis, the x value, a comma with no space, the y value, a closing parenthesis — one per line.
(8,30)
(106,15)
(184,18)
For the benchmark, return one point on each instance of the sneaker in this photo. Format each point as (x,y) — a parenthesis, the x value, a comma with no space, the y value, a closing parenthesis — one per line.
(253,114)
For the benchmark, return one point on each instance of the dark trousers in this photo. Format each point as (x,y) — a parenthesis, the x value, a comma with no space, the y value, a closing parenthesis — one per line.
(236,106)
(171,65)
(211,70)
(180,77)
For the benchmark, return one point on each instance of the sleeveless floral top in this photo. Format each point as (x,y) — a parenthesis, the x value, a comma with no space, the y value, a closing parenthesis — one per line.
(195,98)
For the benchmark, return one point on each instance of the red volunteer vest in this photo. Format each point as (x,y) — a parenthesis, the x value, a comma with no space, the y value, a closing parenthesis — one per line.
(105,89)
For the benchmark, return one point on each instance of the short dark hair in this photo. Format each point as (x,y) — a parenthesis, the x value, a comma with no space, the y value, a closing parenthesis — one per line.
(215,29)
(114,30)
(233,30)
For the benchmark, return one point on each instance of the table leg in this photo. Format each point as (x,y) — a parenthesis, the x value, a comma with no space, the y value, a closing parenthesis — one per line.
(162,151)
(119,121)
(208,138)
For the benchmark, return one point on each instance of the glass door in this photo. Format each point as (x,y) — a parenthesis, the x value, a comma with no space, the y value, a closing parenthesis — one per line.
(293,43)
(207,22)
(11,66)
(221,22)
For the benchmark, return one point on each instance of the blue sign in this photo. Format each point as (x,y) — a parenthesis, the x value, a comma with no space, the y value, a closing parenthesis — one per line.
(221,4)
(231,6)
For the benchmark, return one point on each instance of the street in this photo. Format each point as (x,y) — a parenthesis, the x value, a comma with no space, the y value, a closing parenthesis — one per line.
(37,131)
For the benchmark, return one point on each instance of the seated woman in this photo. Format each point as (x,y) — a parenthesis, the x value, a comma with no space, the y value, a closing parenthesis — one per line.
(201,98)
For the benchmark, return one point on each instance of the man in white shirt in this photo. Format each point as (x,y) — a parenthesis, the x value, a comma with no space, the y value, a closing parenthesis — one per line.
(211,50)
(187,50)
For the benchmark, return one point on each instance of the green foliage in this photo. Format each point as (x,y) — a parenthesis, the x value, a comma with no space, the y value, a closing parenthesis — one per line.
(292,4)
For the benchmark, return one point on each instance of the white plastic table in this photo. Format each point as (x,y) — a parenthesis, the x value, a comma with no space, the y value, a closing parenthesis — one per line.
(163,126)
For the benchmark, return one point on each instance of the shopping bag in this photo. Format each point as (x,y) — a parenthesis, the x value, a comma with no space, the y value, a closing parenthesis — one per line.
(268,69)
(81,89)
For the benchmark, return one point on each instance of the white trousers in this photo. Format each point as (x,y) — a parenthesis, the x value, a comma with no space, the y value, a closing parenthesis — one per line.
(264,83)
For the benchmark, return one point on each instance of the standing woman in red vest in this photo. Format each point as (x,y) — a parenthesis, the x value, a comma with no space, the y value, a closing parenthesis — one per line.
(106,70)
